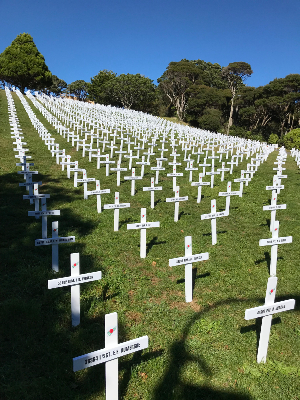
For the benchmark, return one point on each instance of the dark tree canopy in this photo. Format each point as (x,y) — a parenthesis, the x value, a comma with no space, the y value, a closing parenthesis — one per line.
(97,91)
(79,89)
(22,65)
(58,86)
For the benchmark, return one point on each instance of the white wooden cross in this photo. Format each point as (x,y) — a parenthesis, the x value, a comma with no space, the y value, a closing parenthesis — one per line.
(228,194)
(187,260)
(74,281)
(118,169)
(142,163)
(143,225)
(174,174)
(116,207)
(241,180)
(275,187)
(97,192)
(204,165)
(266,313)
(212,216)
(110,354)
(190,167)
(176,200)
(212,174)
(200,184)
(85,181)
(107,162)
(157,169)
(54,241)
(274,242)
(273,207)
(132,178)
(152,188)
(68,163)
(223,170)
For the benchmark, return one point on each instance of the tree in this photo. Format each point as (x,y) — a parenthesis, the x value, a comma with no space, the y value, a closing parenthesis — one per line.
(235,74)
(292,139)
(22,65)
(176,81)
(97,91)
(58,86)
(79,89)
(132,91)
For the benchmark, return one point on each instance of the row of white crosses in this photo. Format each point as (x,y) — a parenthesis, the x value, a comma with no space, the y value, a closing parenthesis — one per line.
(75,279)
(270,307)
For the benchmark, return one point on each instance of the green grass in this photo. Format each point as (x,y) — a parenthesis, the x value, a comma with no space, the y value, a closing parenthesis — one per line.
(199,350)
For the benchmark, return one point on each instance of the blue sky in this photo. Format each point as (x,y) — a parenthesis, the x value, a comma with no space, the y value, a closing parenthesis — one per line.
(80,38)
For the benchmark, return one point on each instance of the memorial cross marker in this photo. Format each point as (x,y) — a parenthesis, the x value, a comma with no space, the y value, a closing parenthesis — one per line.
(132,178)
(200,184)
(176,200)
(97,192)
(116,207)
(157,169)
(204,165)
(187,260)
(191,169)
(212,216)
(54,241)
(223,170)
(266,313)
(274,242)
(74,281)
(174,174)
(143,163)
(85,181)
(143,225)
(110,354)
(152,188)
(228,194)
(273,207)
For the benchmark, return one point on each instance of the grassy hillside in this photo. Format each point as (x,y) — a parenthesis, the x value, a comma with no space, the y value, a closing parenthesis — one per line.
(199,350)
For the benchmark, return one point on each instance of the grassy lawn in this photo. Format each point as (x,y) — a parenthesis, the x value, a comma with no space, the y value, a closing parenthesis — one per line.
(199,350)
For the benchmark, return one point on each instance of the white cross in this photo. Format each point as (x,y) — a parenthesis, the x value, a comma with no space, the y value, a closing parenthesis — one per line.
(157,169)
(273,207)
(132,178)
(110,354)
(116,207)
(54,241)
(143,225)
(274,242)
(174,174)
(266,312)
(200,184)
(212,216)
(152,188)
(176,200)
(74,281)
(187,260)
(97,192)
(228,194)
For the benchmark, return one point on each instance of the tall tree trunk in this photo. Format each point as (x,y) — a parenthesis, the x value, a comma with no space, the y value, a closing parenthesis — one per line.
(230,116)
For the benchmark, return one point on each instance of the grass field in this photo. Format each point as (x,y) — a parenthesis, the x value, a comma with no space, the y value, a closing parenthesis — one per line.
(199,350)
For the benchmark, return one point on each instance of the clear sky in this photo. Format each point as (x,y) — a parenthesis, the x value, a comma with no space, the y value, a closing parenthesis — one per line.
(80,38)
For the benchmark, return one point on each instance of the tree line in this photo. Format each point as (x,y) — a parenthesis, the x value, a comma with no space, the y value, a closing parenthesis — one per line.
(203,94)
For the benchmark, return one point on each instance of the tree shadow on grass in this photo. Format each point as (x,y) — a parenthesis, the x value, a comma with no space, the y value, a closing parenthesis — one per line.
(172,387)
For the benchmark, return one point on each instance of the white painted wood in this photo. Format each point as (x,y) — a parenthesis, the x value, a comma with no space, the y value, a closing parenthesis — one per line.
(75,290)
(213,223)
(55,265)
(111,367)
(187,260)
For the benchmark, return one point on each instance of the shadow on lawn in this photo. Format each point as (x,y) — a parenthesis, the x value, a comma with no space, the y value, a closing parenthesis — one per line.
(171,387)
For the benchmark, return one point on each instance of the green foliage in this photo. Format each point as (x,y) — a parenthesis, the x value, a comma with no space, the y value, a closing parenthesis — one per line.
(273,138)
(97,90)
(210,120)
(292,139)
(132,91)
(79,89)
(199,350)
(58,86)
(22,65)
